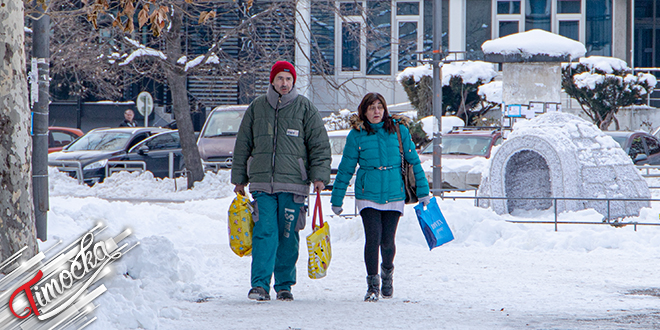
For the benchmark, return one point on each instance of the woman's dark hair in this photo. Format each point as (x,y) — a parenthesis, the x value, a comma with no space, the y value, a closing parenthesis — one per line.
(367,100)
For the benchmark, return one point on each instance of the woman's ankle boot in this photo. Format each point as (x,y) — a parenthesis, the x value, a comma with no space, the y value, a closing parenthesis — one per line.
(386,274)
(373,285)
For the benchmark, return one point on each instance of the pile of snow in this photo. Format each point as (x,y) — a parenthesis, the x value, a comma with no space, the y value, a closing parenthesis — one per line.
(491,92)
(470,71)
(535,42)
(430,124)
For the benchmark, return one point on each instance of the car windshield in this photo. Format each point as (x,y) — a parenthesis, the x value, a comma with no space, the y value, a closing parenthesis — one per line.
(337,144)
(222,123)
(621,140)
(462,145)
(101,140)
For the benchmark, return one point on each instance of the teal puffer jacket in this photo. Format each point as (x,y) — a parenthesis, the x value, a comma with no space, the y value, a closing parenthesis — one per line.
(379,176)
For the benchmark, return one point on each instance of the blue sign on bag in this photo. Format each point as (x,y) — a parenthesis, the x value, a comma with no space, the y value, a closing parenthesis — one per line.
(433,223)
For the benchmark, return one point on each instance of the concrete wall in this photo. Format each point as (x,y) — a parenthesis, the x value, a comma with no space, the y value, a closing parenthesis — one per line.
(531,82)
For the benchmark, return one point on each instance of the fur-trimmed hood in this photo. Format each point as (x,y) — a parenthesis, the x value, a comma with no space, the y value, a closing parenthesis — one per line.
(358,124)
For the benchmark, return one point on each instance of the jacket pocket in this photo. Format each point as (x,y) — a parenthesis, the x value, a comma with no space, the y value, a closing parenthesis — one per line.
(249,162)
(255,208)
(303,171)
(302,213)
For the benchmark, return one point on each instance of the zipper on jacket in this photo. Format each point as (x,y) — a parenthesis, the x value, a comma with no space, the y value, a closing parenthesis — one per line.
(272,176)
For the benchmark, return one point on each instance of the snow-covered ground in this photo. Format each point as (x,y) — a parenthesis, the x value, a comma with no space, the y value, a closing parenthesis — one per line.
(494,275)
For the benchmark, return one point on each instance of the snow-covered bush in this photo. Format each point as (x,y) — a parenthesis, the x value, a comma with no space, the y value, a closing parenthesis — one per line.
(603,85)
(460,83)
(339,121)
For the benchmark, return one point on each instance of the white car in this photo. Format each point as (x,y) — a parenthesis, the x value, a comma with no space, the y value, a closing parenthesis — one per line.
(337,143)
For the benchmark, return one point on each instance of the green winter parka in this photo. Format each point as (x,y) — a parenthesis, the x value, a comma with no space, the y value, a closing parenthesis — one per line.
(379,176)
(281,149)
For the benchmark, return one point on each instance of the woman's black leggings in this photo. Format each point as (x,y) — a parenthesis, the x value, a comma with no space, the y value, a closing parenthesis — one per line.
(379,232)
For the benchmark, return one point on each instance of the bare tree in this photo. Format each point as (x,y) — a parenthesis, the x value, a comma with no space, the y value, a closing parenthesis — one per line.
(17,228)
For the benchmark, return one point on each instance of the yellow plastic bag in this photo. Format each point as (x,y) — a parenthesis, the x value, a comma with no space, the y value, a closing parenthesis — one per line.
(240,226)
(318,244)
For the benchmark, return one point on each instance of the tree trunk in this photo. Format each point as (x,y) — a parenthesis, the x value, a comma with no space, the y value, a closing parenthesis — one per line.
(17,213)
(176,78)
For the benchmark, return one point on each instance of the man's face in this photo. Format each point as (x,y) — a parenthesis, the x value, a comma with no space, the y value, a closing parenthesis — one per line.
(283,82)
(128,115)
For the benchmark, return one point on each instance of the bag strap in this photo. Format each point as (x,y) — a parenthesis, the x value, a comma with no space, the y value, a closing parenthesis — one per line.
(317,206)
(398,135)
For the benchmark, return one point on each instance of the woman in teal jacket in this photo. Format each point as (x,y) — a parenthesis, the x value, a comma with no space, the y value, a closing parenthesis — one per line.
(379,191)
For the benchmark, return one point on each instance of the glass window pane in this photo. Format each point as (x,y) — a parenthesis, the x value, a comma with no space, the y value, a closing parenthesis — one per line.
(570,29)
(407,8)
(568,6)
(350,8)
(477,27)
(643,9)
(508,6)
(350,46)
(323,37)
(379,37)
(644,47)
(537,15)
(407,45)
(508,27)
(428,27)
(599,27)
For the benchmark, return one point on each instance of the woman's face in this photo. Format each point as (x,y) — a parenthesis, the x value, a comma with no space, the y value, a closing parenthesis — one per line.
(375,112)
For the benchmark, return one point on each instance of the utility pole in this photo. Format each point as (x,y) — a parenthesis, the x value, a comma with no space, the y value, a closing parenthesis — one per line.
(40,97)
(437,96)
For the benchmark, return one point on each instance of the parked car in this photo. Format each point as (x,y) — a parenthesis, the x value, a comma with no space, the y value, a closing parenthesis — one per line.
(642,147)
(337,143)
(90,153)
(60,137)
(160,153)
(218,136)
(460,145)
(465,143)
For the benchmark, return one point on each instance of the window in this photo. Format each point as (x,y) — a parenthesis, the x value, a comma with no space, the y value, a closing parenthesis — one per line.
(599,27)
(477,27)
(428,27)
(407,8)
(507,28)
(407,45)
(653,145)
(165,141)
(322,37)
(379,37)
(350,46)
(570,29)
(568,6)
(537,15)
(508,6)
(636,148)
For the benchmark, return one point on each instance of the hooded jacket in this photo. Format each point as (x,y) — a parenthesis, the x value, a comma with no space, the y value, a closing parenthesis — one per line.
(379,177)
(282,145)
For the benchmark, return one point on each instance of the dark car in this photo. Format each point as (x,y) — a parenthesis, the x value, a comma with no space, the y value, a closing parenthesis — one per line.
(160,153)
(218,136)
(60,137)
(643,148)
(90,153)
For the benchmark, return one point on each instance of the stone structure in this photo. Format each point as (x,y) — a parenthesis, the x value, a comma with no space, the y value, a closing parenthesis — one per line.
(562,155)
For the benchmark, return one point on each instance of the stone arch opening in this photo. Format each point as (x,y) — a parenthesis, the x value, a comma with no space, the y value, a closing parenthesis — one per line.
(527,175)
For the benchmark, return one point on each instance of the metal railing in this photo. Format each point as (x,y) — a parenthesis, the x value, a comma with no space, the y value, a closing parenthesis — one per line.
(113,166)
(608,220)
(649,96)
(69,166)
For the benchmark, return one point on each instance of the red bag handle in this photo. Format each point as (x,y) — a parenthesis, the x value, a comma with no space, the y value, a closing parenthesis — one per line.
(317,206)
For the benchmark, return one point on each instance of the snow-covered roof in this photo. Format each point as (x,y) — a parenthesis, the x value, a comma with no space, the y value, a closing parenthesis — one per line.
(533,46)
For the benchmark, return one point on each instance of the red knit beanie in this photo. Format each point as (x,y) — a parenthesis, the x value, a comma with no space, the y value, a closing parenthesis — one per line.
(280,66)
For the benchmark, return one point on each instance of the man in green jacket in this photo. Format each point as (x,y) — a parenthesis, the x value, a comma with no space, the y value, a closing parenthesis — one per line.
(282,146)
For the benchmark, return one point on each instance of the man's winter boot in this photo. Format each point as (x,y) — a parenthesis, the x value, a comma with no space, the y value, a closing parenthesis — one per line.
(386,274)
(373,288)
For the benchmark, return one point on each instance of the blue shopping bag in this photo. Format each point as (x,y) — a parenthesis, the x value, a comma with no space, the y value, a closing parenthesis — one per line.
(433,223)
